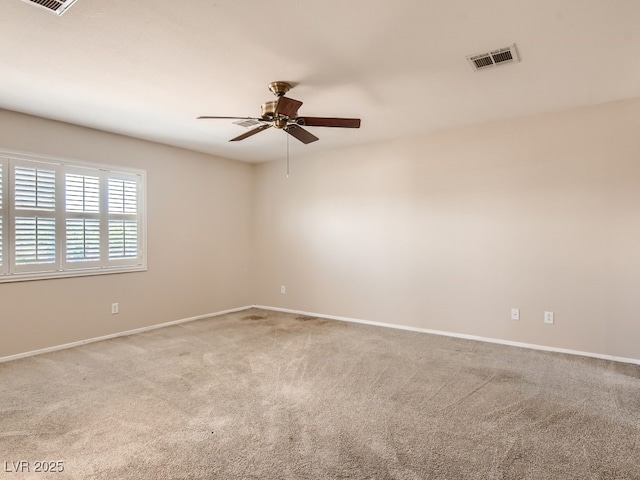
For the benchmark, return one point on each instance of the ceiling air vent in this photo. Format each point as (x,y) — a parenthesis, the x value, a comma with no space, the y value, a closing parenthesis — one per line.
(55,6)
(494,58)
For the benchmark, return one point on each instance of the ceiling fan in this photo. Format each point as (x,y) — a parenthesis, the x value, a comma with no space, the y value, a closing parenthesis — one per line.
(283,114)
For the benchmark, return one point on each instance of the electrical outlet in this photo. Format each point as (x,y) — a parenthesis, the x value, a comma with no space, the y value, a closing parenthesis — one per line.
(114,308)
(548,317)
(283,289)
(515,314)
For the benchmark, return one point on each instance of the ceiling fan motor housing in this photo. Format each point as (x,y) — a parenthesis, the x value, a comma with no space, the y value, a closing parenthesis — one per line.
(269,109)
(280,122)
(270,114)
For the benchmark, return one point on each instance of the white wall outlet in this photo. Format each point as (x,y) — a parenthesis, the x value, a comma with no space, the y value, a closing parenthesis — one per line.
(114,308)
(548,317)
(515,314)
(283,289)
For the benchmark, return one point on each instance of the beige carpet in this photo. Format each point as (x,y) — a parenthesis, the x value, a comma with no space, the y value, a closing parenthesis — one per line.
(265,395)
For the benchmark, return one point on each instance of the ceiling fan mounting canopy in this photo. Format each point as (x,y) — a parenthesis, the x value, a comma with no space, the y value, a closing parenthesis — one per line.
(280,88)
(283,114)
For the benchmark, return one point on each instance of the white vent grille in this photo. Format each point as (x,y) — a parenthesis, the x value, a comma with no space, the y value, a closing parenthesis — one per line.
(494,58)
(55,6)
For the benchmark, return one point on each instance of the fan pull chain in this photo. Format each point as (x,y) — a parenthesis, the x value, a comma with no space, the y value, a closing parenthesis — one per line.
(287,154)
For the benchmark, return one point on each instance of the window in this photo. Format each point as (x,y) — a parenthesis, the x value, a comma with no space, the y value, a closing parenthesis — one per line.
(62,218)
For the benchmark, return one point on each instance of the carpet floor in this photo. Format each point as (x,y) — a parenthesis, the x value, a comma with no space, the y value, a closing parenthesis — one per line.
(266,395)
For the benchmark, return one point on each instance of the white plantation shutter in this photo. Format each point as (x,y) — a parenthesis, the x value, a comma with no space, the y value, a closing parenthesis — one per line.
(35,241)
(35,188)
(3,267)
(123,239)
(82,219)
(82,193)
(123,196)
(83,240)
(123,218)
(60,218)
(34,226)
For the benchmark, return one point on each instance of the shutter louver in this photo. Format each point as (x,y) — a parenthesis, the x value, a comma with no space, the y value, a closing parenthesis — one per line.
(35,188)
(35,240)
(83,239)
(123,196)
(123,239)
(82,193)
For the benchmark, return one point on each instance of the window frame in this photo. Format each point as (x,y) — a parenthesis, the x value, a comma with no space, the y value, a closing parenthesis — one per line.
(4,222)
(64,267)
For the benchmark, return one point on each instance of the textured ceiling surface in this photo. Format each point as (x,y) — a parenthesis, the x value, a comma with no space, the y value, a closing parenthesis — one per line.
(148,68)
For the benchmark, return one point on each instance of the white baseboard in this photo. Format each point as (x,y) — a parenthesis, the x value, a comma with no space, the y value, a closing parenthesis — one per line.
(330,317)
(456,335)
(119,334)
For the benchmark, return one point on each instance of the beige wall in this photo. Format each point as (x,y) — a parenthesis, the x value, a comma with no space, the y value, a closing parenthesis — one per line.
(449,231)
(445,232)
(188,274)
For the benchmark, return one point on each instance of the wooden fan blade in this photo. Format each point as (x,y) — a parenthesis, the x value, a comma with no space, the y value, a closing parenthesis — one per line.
(250,133)
(287,106)
(229,118)
(301,134)
(329,122)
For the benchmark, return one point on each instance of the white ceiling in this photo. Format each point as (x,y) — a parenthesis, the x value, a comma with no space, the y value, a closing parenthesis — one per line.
(148,68)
